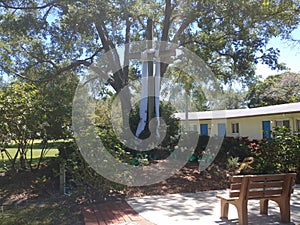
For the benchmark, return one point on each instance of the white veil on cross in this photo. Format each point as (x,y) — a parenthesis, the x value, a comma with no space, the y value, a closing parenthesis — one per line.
(145,92)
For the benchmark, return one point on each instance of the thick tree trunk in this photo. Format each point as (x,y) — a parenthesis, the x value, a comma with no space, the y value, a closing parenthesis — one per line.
(126,106)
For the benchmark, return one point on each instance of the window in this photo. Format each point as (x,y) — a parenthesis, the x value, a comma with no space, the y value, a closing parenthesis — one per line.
(193,127)
(235,128)
(281,123)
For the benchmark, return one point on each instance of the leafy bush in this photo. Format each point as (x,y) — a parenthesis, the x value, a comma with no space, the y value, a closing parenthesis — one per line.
(80,176)
(232,163)
(280,153)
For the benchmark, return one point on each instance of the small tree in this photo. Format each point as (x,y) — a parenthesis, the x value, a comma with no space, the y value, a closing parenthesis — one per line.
(21,118)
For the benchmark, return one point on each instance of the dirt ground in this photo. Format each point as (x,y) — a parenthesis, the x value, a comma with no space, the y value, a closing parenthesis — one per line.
(33,188)
(188,180)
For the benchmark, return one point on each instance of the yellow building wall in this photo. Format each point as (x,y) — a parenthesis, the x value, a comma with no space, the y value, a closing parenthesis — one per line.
(248,126)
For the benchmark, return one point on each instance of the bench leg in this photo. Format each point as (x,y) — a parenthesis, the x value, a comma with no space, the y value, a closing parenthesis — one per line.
(285,212)
(242,214)
(264,206)
(224,208)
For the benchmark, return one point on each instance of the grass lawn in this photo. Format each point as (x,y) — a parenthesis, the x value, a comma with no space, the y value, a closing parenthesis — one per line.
(36,152)
(40,202)
(60,213)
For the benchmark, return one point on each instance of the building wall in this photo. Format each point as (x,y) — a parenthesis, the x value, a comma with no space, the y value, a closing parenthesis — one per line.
(248,126)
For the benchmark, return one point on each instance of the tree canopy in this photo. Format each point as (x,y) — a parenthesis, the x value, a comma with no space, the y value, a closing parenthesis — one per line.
(42,39)
(278,89)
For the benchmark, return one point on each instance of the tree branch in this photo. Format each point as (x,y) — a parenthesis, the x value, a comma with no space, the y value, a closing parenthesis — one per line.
(167,21)
(165,33)
(141,22)
(104,40)
(86,62)
(47,13)
(73,65)
(183,26)
(117,83)
(7,6)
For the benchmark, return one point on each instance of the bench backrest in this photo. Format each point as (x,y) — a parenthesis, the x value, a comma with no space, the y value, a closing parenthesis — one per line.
(262,186)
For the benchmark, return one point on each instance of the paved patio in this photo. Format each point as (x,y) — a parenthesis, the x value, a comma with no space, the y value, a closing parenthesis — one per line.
(180,209)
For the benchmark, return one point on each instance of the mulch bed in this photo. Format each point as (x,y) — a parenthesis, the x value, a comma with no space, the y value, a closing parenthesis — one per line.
(23,188)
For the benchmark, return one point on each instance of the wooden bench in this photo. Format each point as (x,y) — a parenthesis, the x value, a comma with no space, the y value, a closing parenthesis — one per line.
(275,187)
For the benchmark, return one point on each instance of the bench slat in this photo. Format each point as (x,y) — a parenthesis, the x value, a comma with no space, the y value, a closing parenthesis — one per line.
(260,193)
(264,193)
(269,177)
(267,184)
(237,186)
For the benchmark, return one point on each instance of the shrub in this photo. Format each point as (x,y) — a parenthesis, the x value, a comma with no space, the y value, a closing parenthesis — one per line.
(80,176)
(232,163)
(278,154)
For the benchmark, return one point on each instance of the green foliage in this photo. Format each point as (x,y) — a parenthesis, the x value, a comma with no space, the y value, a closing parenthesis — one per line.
(116,148)
(167,115)
(21,118)
(233,33)
(57,97)
(278,154)
(40,39)
(233,163)
(233,99)
(28,113)
(235,148)
(83,176)
(80,176)
(183,84)
(278,89)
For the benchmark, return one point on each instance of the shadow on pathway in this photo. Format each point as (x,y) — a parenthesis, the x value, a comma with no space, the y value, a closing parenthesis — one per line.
(181,209)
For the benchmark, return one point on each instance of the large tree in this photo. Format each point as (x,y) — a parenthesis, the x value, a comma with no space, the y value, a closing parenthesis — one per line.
(278,89)
(40,39)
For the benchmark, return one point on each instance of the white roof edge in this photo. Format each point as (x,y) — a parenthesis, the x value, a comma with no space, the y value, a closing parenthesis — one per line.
(236,113)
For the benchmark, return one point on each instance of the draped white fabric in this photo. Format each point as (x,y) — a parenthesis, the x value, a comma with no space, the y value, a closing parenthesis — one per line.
(145,93)
(157,92)
(144,101)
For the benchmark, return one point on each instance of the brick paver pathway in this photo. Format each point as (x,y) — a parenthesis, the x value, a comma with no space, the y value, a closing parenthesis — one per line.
(114,213)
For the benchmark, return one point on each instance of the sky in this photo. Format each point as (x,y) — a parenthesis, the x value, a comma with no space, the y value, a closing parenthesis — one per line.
(289,54)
